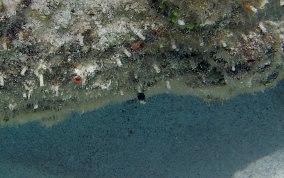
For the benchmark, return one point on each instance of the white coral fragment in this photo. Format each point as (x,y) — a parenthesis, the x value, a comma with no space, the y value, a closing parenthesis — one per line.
(104,85)
(126,52)
(86,70)
(262,27)
(23,71)
(168,84)
(12,106)
(156,68)
(2,83)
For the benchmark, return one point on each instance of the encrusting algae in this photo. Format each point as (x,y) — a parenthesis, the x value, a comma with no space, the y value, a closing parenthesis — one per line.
(61,56)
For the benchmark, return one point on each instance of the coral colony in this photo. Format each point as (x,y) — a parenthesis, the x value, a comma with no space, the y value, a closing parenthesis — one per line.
(60,56)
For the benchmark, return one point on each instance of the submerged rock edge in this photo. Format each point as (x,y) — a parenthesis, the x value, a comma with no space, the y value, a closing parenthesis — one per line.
(58,57)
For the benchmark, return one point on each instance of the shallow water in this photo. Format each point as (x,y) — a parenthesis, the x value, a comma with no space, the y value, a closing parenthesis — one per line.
(169,136)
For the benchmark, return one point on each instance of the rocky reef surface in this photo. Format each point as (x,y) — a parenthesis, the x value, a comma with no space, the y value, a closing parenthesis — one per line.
(61,56)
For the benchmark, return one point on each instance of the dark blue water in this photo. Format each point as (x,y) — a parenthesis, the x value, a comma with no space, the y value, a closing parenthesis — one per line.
(169,136)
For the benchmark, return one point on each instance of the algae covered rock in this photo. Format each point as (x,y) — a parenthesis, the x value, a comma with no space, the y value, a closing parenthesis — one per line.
(61,56)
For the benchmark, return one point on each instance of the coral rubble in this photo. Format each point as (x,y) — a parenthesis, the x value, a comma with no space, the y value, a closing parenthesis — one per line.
(60,56)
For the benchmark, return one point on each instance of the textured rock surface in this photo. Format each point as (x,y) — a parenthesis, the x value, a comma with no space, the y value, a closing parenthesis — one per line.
(60,56)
